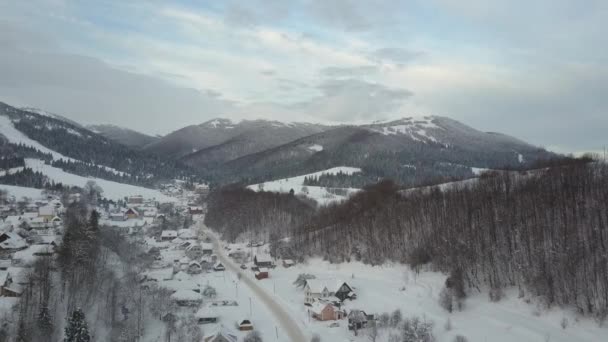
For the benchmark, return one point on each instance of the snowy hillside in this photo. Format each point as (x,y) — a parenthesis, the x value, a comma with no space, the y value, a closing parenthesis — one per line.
(111,190)
(322,195)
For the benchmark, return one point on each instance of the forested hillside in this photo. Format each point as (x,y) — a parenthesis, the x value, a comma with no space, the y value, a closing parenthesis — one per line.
(545,231)
(92,152)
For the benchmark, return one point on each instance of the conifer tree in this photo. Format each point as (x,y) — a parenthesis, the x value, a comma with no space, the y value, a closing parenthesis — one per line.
(77,329)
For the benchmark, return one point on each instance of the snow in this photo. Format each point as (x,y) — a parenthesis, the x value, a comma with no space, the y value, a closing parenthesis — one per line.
(16,137)
(389,287)
(20,191)
(322,195)
(111,190)
(8,130)
(520,158)
(315,148)
(11,171)
(416,129)
(478,170)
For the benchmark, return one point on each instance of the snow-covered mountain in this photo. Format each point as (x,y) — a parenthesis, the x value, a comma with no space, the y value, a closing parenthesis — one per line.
(125,136)
(219,140)
(47,147)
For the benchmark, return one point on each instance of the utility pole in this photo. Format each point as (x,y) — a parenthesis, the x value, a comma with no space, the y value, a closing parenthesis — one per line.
(250,314)
(276,330)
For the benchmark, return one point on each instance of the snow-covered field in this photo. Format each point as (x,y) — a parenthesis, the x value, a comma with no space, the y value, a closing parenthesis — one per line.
(390,287)
(320,194)
(111,190)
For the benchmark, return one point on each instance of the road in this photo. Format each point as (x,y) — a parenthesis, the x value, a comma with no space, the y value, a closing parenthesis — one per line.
(294,332)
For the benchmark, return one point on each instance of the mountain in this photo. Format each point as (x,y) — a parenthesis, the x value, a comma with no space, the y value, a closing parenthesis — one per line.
(219,140)
(125,136)
(70,147)
(412,151)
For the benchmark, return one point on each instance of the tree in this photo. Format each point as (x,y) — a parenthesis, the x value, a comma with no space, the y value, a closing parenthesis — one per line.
(77,329)
(209,292)
(253,336)
(45,322)
(315,338)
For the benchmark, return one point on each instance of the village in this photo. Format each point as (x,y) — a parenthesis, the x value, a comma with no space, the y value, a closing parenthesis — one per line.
(186,263)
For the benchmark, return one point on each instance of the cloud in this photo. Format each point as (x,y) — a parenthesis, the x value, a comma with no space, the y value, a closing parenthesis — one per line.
(395,55)
(356,71)
(348,100)
(88,90)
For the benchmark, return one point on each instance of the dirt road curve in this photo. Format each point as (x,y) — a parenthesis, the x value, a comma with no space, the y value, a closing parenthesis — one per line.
(289,325)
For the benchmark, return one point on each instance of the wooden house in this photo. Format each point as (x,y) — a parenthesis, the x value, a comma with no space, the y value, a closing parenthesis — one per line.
(325,312)
(262,273)
(245,325)
(219,267)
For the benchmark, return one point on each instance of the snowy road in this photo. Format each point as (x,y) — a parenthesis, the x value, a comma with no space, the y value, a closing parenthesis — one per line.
(282,316)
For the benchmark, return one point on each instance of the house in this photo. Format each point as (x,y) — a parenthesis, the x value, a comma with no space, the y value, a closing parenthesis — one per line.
(316,289)
(221,334)
(56,221)
(150,213)
(195,210)
(135,200)
(47,212)
(194,268)
(206,315)
(262,273)
(245,325)
(131,213)
(11,242)
(168,235)
(187,298)
(219,267)
(288,263)
(38,223)
(29,255)
(194,251)
(186,234)
(263,261)
(357,319)
(119,216)
(207,248)
(344,291)
(5,282)
(325,312)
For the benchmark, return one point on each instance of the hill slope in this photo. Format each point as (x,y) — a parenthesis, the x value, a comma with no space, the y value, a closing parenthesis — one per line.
(219,140)
(411,151)
(125,136)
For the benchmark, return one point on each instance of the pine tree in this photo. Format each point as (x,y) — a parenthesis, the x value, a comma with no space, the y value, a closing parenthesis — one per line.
(77,329)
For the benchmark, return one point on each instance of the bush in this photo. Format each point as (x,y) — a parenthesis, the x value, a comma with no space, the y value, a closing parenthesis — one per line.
(209,292)
(416,330)
(253,336)
(315,338)
(496,294)
(460,338)
(396,318)
(446,299)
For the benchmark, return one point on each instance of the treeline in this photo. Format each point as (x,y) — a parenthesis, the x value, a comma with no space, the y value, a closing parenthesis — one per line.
(236,210)
(31,179)
(546,232)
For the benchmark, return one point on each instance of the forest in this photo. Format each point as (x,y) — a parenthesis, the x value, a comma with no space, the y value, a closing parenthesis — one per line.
(544,231)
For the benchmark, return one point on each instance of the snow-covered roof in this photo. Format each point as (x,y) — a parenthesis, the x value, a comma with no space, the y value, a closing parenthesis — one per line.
(316,286)
(318,307)
(206,312)
(289,261)
(4,276)
(206,246)
(30,254)
(186,295)
(221,332)
(13,241)
(263,258)
(186,233)
(168,233)
(46,210)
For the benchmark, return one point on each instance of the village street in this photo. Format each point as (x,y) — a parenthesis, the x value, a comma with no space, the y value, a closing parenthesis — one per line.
(280,314)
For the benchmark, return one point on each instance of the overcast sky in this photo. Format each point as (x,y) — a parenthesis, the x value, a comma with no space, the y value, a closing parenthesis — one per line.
(536,69)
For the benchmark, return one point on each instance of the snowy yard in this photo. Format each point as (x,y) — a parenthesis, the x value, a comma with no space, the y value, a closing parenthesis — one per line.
(385,289)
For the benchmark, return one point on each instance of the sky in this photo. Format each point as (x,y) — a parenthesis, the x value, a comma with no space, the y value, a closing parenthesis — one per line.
(537,70)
